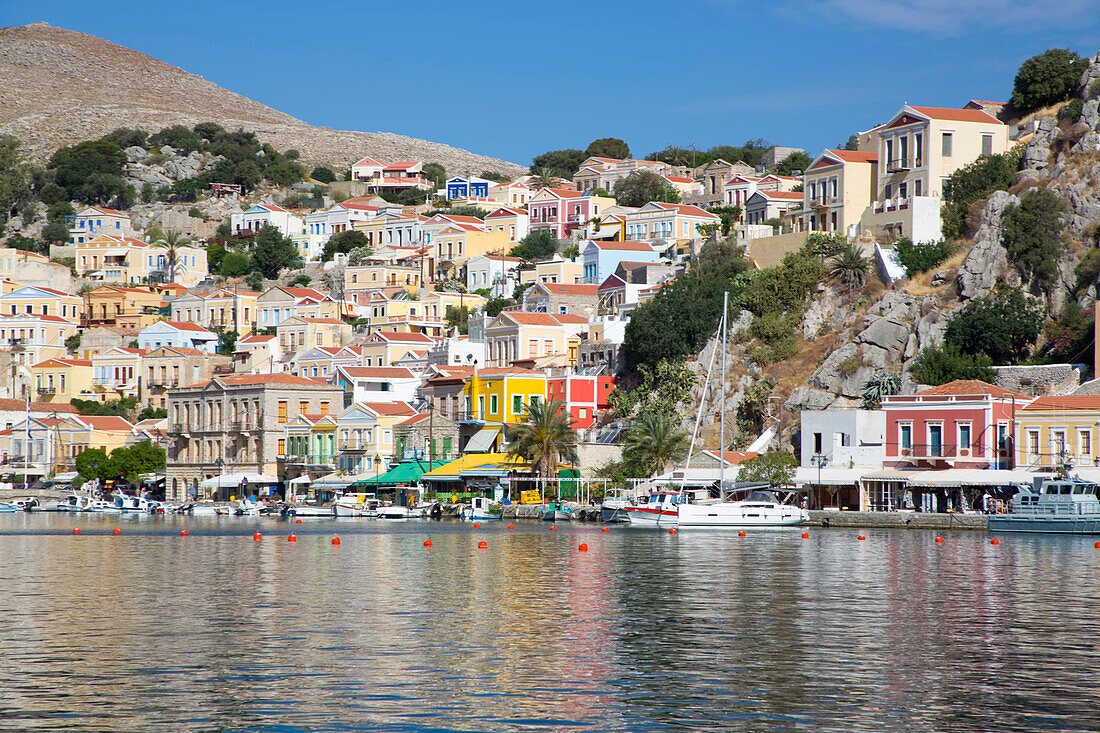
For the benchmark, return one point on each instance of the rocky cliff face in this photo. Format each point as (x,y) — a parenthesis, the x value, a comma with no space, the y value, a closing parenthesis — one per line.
(61,87)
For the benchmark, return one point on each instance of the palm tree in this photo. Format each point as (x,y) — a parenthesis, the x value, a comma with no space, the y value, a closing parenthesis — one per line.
(655,441)
(171,241)
(850,267)
(546,438)
(543,178)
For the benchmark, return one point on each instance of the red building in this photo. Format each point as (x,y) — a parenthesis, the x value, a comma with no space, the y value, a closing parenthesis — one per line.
(583,397)
(961,424)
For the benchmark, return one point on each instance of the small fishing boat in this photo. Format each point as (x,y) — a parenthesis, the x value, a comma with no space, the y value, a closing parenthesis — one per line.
(661,510)
(26,503)
(393,511)
(307,510)
(481,507)
(128,504)
(80,503)
(1060,505)
(356,505)
(555,511)
(613,507)
(205,508)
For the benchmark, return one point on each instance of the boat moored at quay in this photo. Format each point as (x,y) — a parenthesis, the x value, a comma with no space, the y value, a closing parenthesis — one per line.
(1058,505)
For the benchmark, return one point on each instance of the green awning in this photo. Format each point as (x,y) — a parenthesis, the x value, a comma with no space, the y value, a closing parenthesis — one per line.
(405,473)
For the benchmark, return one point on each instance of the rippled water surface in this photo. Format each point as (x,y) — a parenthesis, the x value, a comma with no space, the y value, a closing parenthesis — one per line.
(150,630)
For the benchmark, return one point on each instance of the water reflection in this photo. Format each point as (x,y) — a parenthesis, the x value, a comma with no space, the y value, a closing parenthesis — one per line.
(646,631)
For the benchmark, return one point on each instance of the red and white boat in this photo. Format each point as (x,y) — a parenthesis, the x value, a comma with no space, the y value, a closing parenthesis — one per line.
(662,509)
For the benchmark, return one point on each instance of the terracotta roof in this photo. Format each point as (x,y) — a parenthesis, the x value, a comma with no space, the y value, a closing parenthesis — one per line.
(418,338)
(379,372)
(107,422)
(504,211)
(38,317)
(183,350)
(389,408)
(732,457)
(19,405)
(855,156)
(679,179)
(501,371)
(531,319)
(273,207)
(281,378)
(1069,402)
(402,165)
(64,362)
(187,326)
(323,320)
(971,387)
(687,210)
(369,161)
(304,292)
(987,102)
(785,195)
(256,338)
(956,115)
(632,246)
(569,289)
(419,417)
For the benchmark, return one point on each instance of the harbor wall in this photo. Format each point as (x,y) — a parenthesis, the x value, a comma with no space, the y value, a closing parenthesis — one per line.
(897,520)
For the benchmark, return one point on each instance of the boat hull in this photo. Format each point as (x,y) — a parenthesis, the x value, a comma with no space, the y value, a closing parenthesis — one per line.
(650,517)
(738,514)
(1045,525)
(613,514)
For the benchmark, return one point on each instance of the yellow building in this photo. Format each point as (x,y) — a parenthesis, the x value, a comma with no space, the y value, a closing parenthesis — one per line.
(116,373)
(371,277)
(384,348)
(61,380)
(502,396)
(519,336)
(130,261)
(227,308)
(123,308)
(454,245)
(41,301)
(837,188)
(1053,431)
(302,333)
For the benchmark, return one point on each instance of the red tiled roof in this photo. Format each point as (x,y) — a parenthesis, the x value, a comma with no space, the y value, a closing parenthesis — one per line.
(107,422)
(732,457)
(687,210)
(369,161)
(64,362)
(632,246)
(971,387)
(304,292)
(418,338)
(280,378)
(501,371)
(273,207)
(417,418)
(569,289)
(187,326)
(19,405)
(322,320)
(389,408)
(256,338)
(956,115)
(786,195)
(379,372)
(402,165)
(1068,402)
(855,156)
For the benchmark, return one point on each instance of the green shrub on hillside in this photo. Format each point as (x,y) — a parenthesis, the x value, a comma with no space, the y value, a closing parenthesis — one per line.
(1002,326)
(939,365)
(1033,234)
(922,256)
(1046,79)
(972,183)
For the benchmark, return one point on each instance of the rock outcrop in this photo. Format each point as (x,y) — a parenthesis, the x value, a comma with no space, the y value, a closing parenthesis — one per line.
(987,262)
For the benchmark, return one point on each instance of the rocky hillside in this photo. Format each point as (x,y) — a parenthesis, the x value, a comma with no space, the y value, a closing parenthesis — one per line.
(842,343)
(61,87)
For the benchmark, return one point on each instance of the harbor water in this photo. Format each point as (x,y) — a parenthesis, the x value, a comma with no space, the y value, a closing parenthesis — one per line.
(646,631)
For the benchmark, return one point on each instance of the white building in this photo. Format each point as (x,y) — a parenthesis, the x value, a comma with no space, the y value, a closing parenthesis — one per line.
(496,273)
(378,384)
(254,219)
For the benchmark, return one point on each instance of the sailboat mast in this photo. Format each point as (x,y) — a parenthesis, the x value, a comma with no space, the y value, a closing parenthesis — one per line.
(722,414)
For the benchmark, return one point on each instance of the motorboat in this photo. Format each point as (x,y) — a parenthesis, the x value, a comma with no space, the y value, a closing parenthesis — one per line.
(82,503)
(26,503)
(6,508)
(393,511)
(356,505)
(660,510)
(481,507)
(206,508)
(613,506)
(128,504)
(759,509)
(1061,505)
(555,511)
(307,510)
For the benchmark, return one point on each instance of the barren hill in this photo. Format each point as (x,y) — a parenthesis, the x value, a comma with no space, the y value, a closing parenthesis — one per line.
(60,87)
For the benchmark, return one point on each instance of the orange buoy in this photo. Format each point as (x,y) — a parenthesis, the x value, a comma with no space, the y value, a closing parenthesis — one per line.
(185,533)
(1097,544)
(672,530)
(583,547)
(605,529)
(861,537)
(477,525)
(939,540)
(257,536)
(741,533)
(553,526)
(994,541)
(511,526)
(805,535)
(117,531)
(335,540)
(427,543)
(297,521)
(76,530)
(482,545)
(292,538)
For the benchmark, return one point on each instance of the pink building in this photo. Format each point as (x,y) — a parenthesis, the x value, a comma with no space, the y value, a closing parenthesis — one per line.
(961,424)
(562,211)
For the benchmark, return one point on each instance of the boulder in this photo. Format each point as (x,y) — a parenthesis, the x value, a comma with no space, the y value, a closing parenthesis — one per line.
(1090,113)
(823,310)
(886,334)
(1089,142)
(808,398)
(135,154)
(1037,153)
(987,262)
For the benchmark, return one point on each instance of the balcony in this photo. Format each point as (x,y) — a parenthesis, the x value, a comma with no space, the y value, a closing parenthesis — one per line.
(467,416)
(902,164)
(937,452)
(47,390)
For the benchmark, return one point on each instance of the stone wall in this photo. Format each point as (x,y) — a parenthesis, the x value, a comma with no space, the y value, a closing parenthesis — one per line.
(591,456)
(1046,379)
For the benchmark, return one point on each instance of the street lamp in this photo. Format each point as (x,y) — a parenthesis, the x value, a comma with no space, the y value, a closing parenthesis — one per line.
(819,460)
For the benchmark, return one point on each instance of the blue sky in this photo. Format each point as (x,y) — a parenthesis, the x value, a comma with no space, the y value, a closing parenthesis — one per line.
(513,79)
